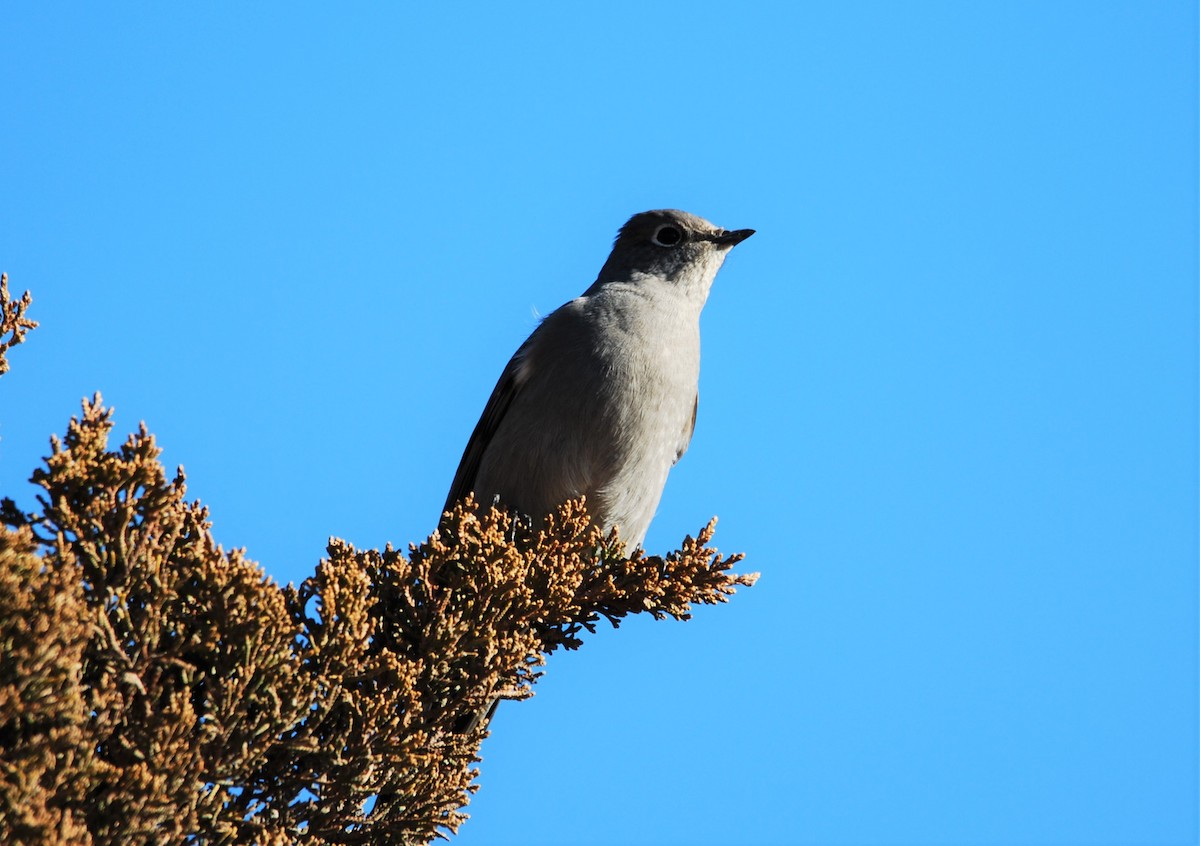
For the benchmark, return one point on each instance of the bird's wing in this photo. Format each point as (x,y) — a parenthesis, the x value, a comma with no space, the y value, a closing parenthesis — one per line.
(688,429)
(498,403)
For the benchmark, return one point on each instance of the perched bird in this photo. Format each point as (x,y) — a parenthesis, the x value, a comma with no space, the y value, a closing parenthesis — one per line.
(601,399)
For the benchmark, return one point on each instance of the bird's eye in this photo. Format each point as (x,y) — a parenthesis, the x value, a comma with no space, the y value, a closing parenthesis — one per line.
(667,235)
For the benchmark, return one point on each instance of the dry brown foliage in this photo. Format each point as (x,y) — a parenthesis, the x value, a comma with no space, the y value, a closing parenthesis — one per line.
(157,688)
(13,322)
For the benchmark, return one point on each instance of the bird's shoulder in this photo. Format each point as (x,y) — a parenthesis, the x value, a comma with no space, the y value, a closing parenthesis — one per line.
(563,329)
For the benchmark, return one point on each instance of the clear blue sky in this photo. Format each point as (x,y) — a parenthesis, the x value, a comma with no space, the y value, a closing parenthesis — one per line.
(948,395)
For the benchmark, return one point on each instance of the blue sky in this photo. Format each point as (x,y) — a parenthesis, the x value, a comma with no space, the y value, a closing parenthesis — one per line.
(948,394)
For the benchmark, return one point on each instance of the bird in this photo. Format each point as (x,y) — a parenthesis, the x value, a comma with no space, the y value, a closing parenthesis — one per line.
(600,401)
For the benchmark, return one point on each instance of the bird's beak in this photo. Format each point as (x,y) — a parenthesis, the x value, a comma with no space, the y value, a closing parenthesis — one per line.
(737,236)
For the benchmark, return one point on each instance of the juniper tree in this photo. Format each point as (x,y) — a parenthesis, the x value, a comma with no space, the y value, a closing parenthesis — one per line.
(155,687)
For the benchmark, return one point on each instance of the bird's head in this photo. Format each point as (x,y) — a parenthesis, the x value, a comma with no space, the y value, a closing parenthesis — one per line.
(681,249)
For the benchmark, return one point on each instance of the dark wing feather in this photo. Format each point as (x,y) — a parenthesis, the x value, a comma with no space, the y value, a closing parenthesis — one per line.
(687,432)
(497,406)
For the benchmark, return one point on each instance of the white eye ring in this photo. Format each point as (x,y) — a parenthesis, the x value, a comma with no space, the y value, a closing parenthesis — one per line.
(667,235)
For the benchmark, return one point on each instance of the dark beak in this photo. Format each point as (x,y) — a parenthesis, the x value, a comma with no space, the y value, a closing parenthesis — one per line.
(737,236)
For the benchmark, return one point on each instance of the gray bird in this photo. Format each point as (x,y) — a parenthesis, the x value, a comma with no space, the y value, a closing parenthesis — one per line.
(601,399)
